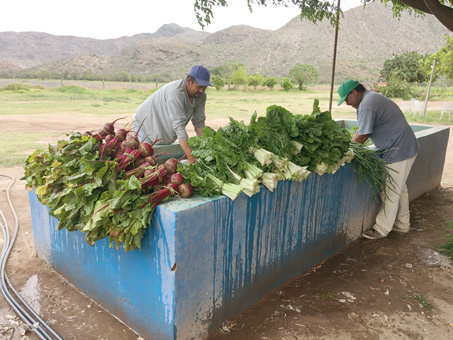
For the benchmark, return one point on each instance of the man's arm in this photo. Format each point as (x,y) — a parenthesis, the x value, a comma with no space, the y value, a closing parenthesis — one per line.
(187,150)
(360,138)
(199,131)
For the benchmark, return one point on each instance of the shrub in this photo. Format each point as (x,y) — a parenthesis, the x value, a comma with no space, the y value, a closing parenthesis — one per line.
(17,87)
(270,82)
(218,82)
(396,88)
(255,80)
(71,89)
(286,84)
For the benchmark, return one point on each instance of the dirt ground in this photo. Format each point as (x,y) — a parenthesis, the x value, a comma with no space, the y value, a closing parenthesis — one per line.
(399,287)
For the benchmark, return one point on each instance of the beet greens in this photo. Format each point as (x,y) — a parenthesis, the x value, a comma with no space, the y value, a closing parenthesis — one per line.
(91,184)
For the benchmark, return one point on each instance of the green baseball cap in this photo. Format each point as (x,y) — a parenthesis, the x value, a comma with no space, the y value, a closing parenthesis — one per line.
(345,88)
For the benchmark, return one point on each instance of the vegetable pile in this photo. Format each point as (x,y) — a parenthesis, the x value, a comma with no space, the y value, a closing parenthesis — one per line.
(103,183)
(107,183)
(278,146)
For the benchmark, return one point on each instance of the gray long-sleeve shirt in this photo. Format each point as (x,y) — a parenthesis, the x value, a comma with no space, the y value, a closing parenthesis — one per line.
(168,111)
(383,120)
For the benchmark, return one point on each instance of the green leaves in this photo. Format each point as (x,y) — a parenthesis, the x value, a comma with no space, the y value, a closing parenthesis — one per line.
(281,144)
(84,193)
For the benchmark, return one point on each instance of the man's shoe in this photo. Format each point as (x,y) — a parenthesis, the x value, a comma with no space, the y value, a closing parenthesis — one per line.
(372,234)
(400,230)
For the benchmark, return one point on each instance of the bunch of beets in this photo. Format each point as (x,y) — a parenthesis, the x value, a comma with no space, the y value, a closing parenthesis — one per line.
(137,158)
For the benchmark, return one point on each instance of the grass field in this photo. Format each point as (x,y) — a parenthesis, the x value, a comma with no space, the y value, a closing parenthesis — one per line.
(47,98)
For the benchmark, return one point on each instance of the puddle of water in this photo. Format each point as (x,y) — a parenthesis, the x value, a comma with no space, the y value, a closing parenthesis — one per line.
(31,293)
(71,314)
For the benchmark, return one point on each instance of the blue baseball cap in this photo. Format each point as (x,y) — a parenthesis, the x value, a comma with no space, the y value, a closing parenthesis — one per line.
(345,88)
(201,75)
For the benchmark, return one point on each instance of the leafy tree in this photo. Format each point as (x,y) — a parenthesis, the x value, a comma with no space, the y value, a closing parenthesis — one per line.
(397,88)
(44,74)
(226,70)
(164,77)
(239,77)
(444,61)
(270,82)
(218,82)
(121,76)
(87,75)
(315,10)
(406,67)
(255,80)
(304,74)
(286,84)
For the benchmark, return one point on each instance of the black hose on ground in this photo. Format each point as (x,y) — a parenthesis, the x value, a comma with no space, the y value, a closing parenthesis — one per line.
(20,307)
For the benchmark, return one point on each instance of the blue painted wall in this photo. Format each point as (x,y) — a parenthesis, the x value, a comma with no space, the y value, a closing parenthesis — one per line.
(204,260)
(137,287)
(230,254)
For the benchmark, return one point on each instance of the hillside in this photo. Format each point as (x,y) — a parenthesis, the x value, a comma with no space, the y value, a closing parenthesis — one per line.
(367,37)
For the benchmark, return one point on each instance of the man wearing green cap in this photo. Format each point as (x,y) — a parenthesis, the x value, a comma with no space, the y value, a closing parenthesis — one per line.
(381,120)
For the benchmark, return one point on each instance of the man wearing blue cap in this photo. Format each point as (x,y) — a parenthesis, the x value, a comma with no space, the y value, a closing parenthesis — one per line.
(381,120)
(167,111)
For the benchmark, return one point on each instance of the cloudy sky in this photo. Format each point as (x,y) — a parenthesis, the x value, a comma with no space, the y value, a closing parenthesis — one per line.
(105,19)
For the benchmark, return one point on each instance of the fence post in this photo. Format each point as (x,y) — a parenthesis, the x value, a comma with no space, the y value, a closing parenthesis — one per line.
(429,87)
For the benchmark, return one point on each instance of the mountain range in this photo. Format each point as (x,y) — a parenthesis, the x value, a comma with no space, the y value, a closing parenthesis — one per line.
(367,37)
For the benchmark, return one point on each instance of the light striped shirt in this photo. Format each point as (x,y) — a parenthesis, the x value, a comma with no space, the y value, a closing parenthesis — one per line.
(167,111)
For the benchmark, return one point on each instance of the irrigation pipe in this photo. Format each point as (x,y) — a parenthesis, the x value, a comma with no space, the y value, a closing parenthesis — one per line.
(20,307)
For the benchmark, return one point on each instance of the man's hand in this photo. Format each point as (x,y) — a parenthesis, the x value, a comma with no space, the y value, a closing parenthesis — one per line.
(360,138)
(191,159)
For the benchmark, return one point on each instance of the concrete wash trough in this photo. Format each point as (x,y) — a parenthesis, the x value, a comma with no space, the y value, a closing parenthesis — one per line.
(204,260)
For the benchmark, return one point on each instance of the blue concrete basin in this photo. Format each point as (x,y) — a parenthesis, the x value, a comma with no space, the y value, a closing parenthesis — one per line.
(204,260)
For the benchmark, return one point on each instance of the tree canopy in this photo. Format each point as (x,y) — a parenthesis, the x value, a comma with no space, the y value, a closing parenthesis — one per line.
(406,67)
(304,74)
(316,10)
(226,70)
(444,58)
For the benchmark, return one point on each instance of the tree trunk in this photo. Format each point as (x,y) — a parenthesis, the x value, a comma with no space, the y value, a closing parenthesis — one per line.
(442,13)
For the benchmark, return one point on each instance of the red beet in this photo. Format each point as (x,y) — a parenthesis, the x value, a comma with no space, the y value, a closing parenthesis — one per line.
(121,134)
(185,190)
(146,149)
(171,165)
(132,141)
(176,178)
(109,138)
(151,160)
(109,128)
